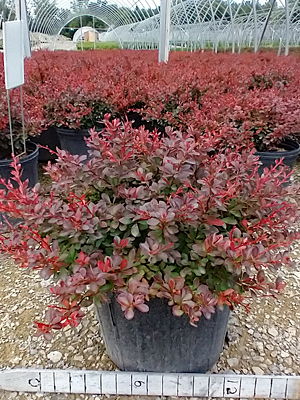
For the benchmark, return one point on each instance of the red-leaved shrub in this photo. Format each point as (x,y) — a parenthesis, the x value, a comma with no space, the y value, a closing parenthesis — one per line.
(247,99)
(150,216)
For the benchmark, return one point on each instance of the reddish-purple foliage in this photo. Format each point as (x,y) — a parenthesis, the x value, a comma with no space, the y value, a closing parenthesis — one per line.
(237,97)
(150,216)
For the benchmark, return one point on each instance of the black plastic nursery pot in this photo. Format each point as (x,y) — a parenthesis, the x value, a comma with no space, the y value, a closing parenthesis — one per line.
(72,140)
(138,121)
(29,169)
(28,165)
(268,158)
(48,138)
(158,341)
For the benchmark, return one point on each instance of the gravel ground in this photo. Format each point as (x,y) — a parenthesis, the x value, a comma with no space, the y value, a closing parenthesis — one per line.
(265,341)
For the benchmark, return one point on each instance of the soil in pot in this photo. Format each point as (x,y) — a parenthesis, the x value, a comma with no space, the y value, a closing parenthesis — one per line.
(158,341)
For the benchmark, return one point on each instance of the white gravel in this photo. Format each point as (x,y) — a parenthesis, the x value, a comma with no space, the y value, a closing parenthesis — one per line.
(265,341)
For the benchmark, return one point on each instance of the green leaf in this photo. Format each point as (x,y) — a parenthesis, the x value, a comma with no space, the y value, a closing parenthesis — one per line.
(194,256)
(125,221)
(181,236)
(143,224)
(72,254)
(123,228)
(230,221)
(185,271)
(97,301)
(135,230)
(223,286)
(236,213)
(109,251)
(150,275)
(233,202)
(204,261)
(125,234)
(107,287)
(192,234)
(153,267)
(63,273)
(199,271)
(114,224)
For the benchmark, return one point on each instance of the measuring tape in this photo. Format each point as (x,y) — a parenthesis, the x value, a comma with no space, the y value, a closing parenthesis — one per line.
(151,384)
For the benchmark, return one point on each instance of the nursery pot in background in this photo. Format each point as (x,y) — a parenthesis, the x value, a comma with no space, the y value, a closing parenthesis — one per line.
(29,169)
(72,140)
(268,158)
(137,121)
(28,165)
(158,341)
(48,138)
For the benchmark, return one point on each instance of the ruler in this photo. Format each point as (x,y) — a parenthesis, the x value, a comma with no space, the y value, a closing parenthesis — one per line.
(151,384)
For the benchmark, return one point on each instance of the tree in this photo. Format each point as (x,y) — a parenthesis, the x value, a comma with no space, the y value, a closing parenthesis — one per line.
(77,5)
(42,8)
(6,11)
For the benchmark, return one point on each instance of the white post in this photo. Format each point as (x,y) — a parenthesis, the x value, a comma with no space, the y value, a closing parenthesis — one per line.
(165,20)
(266,23)
(232,26)
(287,28)
(80,18)
(17,8)
(255,25)
(279,47)
(21,14)
(94,33)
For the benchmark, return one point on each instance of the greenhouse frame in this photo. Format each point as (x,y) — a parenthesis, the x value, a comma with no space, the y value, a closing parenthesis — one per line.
(194,24)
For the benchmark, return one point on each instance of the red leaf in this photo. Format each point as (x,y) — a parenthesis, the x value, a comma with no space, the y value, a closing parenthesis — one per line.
(214,221)
(123,264)
(245,223)
(101,265)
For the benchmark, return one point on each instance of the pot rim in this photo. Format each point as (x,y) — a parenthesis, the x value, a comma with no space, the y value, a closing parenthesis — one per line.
(23,160)
(288,143)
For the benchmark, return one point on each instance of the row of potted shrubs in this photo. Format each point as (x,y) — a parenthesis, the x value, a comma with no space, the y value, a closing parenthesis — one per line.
(172,222)
(243,99)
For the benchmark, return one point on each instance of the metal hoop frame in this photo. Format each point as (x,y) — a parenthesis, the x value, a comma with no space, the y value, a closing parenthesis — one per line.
(194,23)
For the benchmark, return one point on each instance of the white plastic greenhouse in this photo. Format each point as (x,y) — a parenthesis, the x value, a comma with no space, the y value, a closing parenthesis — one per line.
(194,23)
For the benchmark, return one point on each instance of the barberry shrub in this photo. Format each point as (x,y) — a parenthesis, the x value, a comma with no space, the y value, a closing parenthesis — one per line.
(150,216)
(249,99)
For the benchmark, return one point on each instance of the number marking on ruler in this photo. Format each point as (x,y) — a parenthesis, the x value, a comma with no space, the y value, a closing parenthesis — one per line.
(152,384)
